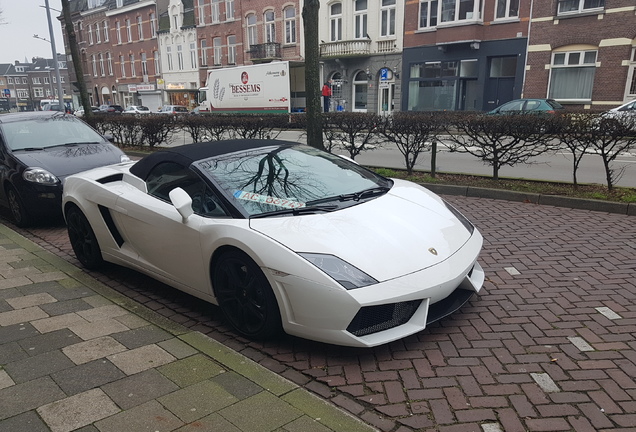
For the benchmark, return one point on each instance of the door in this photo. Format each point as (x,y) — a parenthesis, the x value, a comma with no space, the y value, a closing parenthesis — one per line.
(500,85)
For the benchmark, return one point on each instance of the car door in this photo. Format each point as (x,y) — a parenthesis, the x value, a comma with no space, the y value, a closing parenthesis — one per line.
(166,245)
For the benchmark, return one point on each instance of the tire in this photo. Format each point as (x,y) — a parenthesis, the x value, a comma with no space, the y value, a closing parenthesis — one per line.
(245,296)
(83,239)
(18,211)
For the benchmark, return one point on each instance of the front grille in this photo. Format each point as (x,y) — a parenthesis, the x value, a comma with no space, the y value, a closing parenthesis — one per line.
(372,319)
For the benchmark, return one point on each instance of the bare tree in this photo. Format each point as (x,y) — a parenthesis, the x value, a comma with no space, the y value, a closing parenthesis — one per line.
(499,140)
(572,131)
(76,58)
(610,137)
(355,132)
(312,74)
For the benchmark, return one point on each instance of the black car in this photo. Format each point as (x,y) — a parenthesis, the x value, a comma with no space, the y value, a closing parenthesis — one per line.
(111,109)
(38,150)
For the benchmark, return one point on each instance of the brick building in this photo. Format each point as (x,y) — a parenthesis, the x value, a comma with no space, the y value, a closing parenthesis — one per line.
(582,52)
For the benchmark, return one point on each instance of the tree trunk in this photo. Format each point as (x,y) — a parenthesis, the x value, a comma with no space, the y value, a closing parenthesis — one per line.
(76,58)
(312,74)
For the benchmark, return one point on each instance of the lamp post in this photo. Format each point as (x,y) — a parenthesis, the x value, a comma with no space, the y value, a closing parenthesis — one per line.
(60,92)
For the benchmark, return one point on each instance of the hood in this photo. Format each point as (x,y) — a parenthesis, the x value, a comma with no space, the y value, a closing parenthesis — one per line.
(386,237)
(64,161)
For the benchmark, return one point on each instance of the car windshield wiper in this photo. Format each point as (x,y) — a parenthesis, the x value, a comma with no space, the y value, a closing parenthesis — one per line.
(29,149)
(355,196)
(73,144)
(296,211)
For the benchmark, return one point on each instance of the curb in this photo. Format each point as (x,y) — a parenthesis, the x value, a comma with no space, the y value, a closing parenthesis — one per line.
(628,209)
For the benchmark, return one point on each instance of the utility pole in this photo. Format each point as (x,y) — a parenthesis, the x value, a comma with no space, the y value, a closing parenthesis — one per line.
(312,74)
(76,59)
(60,91)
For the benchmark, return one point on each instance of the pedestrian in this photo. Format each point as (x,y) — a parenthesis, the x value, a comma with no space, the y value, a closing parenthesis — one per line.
(326,95)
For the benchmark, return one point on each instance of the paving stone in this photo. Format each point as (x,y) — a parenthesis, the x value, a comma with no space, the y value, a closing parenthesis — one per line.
(139,388)
(87,376)
(5,380)
(191,370)
(21,316)
(93,349)
(236,385)
(77,411)
(65,307)
(93,330)
(267,413)
(24,397)
(142,336)
(58,322)
(10,352)
(24,302)
(305,424)
(197,400)
(103,312)
(151,416)
(177,348)
(25,422)
(48,342)
(38,366)
(211,423)
(141,359)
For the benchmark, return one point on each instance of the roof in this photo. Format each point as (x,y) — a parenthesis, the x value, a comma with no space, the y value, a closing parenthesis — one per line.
(27,115)
(187,154)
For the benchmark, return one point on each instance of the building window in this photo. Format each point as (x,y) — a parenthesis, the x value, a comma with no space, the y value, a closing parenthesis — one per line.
(216,43)
(216,11)
(144,65)
(109,62)
(80,32)
(90,34)
(252,38)
(180,57)
(360,84)
(169,57)
(118,32)
(631,76)
(229,10)
(459,10)
(204,52)
(335,22)
(122,66)
(94,62)
(290,25)
(106,31)
(22,94)
(428,14)
(120,3)
(98,36)
(9,80)
(157,62)
(128,30)
(153,26)
(140,28)
(38,92)
(102,70)
(387,18)
(270,26)
(231,49)
(24,81)
(201,10)
(572,75)
(579,6)
(360,19)
(507,9)
(133,71)
(193,55)
(36,80)
(46,80)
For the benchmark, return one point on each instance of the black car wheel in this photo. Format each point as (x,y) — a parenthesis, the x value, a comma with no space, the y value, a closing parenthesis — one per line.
(83,239)
(245,296)
(16,205)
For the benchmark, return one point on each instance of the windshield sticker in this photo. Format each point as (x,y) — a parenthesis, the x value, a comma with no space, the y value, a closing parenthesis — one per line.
(280,202)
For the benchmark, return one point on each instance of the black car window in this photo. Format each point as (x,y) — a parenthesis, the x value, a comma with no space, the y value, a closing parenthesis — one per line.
(169,175)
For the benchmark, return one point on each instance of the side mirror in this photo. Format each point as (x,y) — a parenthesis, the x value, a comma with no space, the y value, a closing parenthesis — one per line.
(182,202)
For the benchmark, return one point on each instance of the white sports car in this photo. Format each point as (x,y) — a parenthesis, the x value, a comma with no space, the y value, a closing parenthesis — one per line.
(281,236)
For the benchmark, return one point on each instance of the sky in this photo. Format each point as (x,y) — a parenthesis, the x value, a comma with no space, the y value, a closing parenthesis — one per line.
(21,19)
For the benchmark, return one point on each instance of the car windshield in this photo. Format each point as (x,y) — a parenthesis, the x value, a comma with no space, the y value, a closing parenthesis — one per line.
(272,179)
(43,132)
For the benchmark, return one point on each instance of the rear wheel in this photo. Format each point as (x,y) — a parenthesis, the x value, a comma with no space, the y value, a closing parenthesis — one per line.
(16,205)
(245,296)
(83,239)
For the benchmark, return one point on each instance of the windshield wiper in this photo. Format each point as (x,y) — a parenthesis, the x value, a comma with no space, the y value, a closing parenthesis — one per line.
(30,149)
(296,211)
(74,144)
(355,196)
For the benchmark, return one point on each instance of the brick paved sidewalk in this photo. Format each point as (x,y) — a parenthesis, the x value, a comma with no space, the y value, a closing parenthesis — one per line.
(75,355)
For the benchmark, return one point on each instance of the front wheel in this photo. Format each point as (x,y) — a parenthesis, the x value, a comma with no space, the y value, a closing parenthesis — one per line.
(18,211)
(83,239)
(245,296)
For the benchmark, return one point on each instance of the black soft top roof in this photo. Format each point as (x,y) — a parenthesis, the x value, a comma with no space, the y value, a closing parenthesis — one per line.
(187,154)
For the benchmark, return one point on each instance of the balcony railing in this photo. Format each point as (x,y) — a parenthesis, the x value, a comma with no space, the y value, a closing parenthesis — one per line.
(386,46)
(266,51)
(349,48)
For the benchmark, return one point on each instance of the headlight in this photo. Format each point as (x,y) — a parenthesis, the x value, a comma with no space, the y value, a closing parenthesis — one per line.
(39,175)
(344,273)
(469,226)
(124,158)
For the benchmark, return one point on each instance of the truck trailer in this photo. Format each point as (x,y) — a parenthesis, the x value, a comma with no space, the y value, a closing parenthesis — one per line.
(261,88)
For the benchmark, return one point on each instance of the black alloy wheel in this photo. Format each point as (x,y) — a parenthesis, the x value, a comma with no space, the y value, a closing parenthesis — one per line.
(245,296)
(18,211)
(83,239)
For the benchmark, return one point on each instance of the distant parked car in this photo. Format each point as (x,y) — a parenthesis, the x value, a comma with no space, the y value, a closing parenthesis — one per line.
(627,111)
(38,150)
(53,107)
(173,109)
(137,109)
(111,109)
(528,106)
(80,112)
